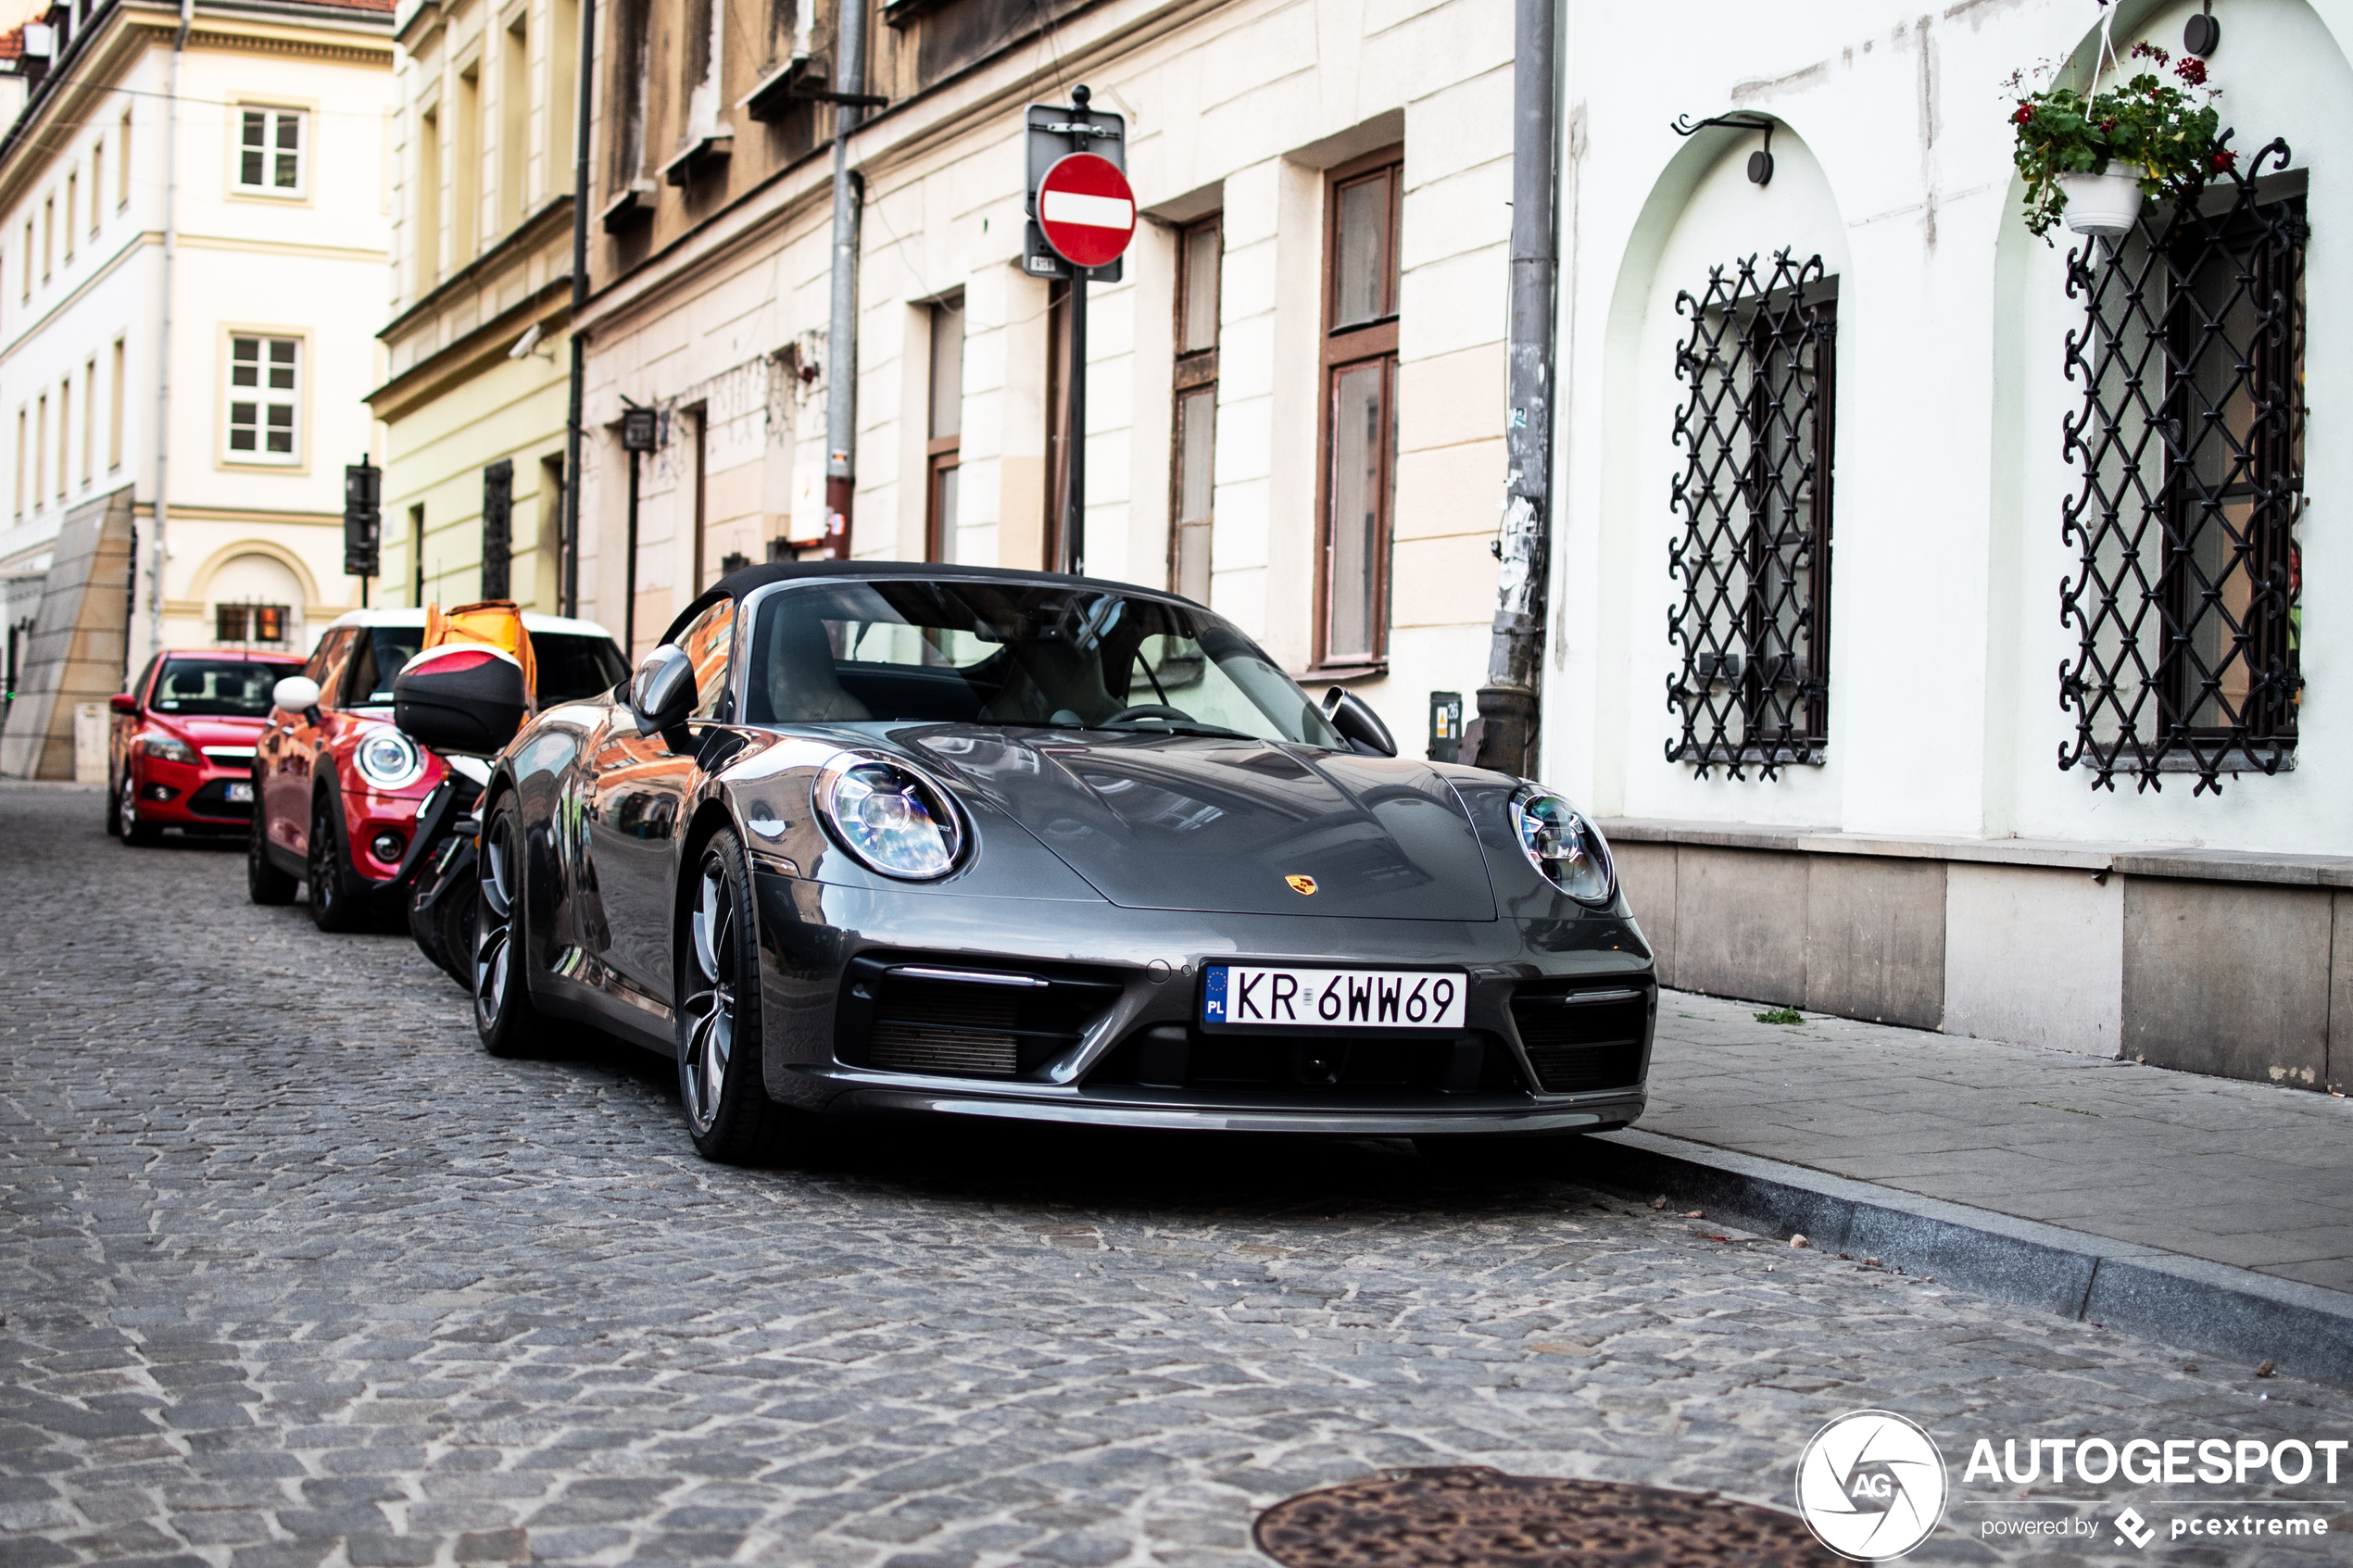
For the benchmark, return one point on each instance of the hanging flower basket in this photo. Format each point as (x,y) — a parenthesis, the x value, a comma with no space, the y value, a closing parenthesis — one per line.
(2105,205)
(2146,136)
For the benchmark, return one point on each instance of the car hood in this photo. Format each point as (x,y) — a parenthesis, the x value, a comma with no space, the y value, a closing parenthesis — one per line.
(1197,823)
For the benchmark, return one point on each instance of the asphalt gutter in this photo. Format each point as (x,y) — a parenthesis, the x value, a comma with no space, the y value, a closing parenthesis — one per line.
(2305,1329)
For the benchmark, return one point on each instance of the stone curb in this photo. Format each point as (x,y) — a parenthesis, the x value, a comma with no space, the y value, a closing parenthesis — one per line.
(2143,1290)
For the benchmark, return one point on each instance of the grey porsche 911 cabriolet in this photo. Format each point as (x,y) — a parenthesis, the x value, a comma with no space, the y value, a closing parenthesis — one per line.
(922,838)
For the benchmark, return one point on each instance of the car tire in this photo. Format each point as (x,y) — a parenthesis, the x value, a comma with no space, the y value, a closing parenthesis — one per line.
(720,1085)
(113,822)
(455,917)
(504,1018)
(128,827)
(265,884)
(334,903)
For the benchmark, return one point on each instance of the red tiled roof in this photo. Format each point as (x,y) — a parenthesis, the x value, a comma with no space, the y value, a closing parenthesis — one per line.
(12,44)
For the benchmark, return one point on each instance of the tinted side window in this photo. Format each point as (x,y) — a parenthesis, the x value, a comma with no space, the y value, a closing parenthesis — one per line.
(706,641)
(572,667)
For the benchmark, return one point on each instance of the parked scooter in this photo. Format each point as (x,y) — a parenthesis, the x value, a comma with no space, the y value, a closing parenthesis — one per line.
(441,863)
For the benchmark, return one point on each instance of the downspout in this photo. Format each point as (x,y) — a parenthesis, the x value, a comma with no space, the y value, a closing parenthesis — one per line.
(163,344)
(841,332)
(568,593)
(1506,735)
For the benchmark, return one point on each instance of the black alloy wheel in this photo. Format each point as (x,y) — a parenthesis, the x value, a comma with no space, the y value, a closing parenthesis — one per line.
(265,884)
(504,1018)
(128,827)
(720,1081)
(334,905)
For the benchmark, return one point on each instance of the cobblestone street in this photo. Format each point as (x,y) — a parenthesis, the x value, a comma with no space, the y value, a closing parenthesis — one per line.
(297,1275)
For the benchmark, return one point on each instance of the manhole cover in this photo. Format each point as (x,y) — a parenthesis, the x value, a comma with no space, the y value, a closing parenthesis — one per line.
(1457,1516)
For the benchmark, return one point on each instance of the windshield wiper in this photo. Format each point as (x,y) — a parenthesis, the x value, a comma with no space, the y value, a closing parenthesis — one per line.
(1162,727)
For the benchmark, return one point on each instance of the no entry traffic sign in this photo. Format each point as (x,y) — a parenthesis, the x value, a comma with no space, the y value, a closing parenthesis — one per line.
(1087,210)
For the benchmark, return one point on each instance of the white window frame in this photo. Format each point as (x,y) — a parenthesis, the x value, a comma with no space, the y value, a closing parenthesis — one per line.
(261,398)
(272,116)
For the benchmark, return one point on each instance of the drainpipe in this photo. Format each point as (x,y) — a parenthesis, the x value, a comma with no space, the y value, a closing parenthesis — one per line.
(1506,735)
(163,332)
(841,332)
(568,591)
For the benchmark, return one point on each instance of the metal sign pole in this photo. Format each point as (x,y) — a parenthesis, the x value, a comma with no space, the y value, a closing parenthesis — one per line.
(629,573)
(1074,492)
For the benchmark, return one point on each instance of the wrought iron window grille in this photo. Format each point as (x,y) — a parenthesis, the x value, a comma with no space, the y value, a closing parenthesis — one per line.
(2190,438)
(1754,552)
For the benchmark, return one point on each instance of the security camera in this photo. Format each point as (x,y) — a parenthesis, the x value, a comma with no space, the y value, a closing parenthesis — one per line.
(525,344)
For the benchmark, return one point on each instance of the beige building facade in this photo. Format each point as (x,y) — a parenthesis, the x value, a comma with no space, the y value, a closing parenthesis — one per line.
(232,372)
(1295,393)
(480,362)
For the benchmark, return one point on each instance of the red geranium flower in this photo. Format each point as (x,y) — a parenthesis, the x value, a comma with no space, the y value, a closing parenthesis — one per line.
(2025,113)
(2192,70)
(2225,161)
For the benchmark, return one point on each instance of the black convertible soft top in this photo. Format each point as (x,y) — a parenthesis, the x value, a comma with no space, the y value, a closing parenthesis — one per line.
(736,584)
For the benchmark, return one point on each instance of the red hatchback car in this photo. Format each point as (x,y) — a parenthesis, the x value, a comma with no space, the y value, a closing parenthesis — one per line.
(181,751)
(338,786)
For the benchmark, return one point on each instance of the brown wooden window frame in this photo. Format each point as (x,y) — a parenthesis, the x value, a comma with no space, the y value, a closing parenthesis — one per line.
(943,454)
(1341,350)
(1195,376)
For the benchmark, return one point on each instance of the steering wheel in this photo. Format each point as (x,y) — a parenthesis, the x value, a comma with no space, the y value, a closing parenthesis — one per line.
(1150,711)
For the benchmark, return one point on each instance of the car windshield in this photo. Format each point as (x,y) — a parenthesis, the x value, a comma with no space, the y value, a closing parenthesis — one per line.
(217,688)
(1017,654)
(572,665)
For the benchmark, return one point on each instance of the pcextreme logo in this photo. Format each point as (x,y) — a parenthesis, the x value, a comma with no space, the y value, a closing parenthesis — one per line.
(1872,1485)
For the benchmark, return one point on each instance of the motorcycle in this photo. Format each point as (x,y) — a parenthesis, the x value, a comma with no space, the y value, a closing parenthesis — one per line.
(440,868)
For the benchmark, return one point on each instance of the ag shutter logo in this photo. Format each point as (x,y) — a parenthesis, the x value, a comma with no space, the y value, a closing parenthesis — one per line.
(1872,1485)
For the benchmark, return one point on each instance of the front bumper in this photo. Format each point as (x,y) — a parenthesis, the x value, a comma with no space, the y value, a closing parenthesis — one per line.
(176,795)
(823,944)
(1583,1114)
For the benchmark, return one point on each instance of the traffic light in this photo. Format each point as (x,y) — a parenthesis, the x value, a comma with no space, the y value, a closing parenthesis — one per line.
(362,520)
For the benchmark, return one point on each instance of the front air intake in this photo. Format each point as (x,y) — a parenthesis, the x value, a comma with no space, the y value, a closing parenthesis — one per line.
(931,1026)
(961,1020)
(1582,1041)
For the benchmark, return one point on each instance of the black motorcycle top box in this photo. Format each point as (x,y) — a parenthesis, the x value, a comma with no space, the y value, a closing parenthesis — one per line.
(462,697)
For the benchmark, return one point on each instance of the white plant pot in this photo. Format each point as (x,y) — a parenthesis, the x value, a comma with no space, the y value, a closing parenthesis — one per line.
(2101,204)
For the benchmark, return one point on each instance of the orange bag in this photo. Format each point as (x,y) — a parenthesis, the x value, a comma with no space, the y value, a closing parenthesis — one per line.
(497,623)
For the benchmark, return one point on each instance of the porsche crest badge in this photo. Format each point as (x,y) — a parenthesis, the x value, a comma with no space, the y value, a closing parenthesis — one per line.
(1302,886)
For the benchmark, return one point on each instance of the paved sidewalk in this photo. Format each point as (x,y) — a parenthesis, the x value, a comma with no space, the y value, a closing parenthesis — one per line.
(2243,1174)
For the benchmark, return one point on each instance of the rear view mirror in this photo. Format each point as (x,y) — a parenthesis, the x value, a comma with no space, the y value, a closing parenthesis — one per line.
(462,697)
(663,691)
(124,703)
(295,694)
(1358,724)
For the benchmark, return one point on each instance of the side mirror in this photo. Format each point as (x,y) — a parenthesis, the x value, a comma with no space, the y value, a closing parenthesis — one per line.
(462,697)
(1358,724)
(124,703)
(663,692)
(295,694)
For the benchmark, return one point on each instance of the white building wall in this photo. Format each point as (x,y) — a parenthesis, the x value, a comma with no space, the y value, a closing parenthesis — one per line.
(1894,161)
(285,266)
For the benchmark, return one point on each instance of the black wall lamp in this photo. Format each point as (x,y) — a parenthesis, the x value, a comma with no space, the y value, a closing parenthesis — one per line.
(2204,34)
(1760,162)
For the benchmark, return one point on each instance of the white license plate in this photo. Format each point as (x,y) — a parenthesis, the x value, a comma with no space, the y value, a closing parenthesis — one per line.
(1247,997)
(242,791)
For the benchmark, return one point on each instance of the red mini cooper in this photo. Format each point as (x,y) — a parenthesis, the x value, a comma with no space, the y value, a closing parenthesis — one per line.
(337,786)
(181,751)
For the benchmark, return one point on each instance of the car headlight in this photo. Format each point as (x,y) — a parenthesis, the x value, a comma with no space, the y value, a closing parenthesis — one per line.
(1560,842)
(168,749)
(889,817)
(388,759)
